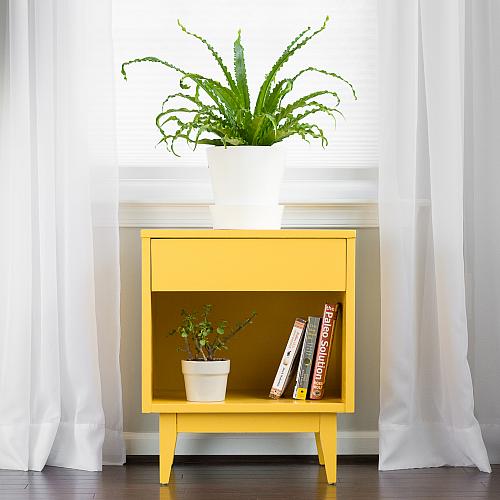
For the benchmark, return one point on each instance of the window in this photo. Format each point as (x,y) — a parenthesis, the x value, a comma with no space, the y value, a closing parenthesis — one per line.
(345,170)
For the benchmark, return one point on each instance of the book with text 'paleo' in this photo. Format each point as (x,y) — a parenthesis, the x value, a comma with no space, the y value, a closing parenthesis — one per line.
(306,358)
(287,361)
(323,350)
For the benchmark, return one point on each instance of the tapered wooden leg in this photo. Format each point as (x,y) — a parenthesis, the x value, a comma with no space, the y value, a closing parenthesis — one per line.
(328,439)
(320,450)
(168,438)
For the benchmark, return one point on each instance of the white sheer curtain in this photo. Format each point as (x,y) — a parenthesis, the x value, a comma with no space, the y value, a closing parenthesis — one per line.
(426,414)
(60,392)
(482,211)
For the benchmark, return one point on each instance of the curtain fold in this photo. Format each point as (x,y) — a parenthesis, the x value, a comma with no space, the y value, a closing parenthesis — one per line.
(482,211)
(426,413)
(60,392)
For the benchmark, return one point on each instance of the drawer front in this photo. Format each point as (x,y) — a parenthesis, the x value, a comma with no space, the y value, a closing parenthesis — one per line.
(248,264)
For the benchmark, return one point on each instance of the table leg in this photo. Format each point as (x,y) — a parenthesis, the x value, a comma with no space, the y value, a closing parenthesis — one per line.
(320,450)
(168,438)
(328,440)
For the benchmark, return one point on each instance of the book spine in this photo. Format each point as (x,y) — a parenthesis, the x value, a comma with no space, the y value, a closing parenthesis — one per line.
(306,358)
(287,361)
(323,350)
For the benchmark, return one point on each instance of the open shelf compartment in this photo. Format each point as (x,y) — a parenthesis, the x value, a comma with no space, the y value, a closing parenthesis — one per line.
(255,352)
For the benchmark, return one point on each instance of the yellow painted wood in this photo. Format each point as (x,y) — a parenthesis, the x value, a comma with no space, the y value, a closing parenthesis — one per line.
(147,343)
(168,438)
(244,402)
(328,441)
(247,422)
(248,264)
(248,233)
(321,458)
(187,268)
(348,347)
(260,345)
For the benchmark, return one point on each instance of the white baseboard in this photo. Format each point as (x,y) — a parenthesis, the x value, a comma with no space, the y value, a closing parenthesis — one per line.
(348,443)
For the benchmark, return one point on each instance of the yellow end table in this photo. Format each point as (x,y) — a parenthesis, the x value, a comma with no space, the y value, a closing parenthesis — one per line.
(280,274)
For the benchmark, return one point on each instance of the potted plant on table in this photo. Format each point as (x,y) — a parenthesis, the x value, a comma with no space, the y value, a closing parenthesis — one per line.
(205,375)
(246,165)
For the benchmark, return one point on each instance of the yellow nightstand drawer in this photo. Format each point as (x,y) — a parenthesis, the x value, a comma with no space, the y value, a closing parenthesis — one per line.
(232,264)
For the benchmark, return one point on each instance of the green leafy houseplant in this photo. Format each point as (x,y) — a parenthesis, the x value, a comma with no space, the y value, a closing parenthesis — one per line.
(220,113)
(202,338)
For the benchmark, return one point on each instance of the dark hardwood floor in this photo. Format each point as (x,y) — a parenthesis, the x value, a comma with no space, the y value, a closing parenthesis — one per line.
(250,478)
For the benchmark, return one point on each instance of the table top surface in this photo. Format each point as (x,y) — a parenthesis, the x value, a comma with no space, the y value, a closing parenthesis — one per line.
(248,233)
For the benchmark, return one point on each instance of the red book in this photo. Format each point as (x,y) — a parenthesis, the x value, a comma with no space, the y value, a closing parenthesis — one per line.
(323,349)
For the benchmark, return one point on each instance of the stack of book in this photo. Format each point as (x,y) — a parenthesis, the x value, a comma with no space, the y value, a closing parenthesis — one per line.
(314,339)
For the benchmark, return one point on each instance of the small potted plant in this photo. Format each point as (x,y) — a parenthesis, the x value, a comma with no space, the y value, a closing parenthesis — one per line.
(246,166)
(205,375)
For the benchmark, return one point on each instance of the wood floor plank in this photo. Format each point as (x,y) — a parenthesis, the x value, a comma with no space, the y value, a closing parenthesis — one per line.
(256,478)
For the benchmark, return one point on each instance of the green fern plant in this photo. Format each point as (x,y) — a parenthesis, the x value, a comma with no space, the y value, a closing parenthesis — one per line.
(220,114)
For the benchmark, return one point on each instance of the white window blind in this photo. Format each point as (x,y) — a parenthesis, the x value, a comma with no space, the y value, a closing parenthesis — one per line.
(347,47)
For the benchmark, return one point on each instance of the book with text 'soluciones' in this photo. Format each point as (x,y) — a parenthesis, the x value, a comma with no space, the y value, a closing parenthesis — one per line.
(306,358)
(286,366)
(323,350)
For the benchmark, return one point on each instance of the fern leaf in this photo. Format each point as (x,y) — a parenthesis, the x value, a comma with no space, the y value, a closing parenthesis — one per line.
(214,53)
(328,73)
(150,59)
(279,91)
(224,98)
(305,101)
(194,99)
(316,107)
(304,130)
(241,72)
(296,44)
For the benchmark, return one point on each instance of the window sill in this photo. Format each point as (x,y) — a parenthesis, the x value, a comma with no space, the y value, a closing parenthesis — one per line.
(176,215)
(313,197)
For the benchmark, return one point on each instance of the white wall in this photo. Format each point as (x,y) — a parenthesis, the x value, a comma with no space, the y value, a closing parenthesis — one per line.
(357,432)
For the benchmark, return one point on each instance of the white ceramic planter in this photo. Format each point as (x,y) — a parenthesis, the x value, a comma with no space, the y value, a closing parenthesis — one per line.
(205,380)
(246,182)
